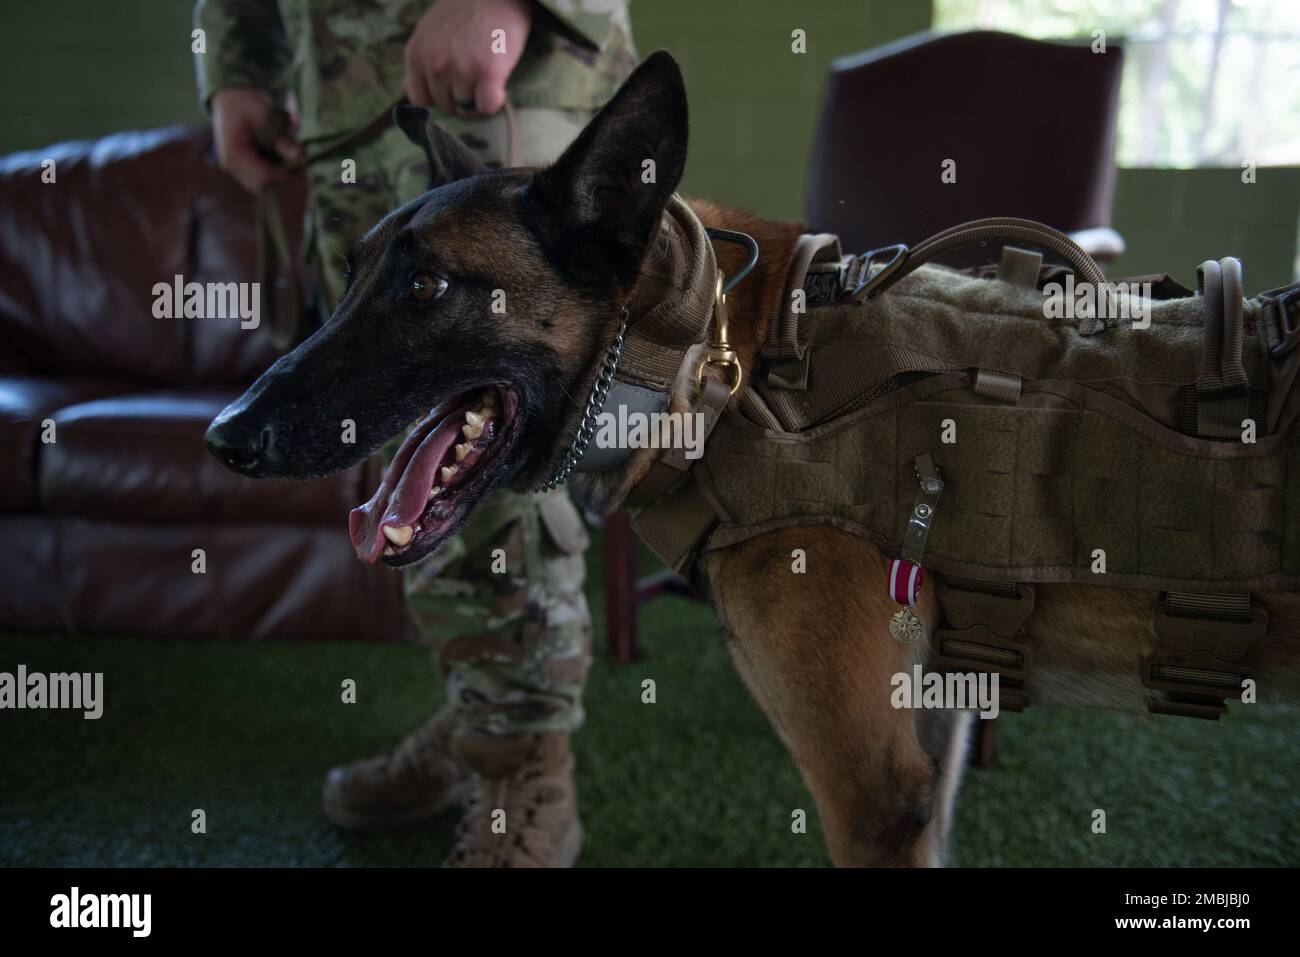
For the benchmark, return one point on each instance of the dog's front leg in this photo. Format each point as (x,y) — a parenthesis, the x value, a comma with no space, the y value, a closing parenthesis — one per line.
(814,648)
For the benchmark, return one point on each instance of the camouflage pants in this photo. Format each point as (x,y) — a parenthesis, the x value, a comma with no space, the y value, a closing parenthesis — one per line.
(502,602)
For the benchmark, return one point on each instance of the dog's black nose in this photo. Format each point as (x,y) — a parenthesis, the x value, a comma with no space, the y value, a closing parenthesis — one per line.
(239,446)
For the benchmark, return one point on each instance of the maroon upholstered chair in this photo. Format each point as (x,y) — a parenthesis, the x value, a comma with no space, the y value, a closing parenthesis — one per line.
(1028,125)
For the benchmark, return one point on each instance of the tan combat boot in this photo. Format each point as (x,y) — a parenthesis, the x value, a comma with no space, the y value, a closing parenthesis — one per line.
(418,780)
(530,778)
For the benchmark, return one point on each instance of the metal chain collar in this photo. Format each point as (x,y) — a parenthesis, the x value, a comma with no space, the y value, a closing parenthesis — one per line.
(595,402)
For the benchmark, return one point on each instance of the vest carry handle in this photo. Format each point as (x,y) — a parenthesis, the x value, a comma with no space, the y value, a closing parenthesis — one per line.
(1004,229)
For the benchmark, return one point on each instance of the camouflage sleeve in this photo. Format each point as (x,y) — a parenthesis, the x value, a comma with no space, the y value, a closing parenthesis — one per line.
(245,44)
(586,21)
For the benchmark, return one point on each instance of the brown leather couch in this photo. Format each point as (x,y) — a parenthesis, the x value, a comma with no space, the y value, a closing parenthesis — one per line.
(98,529)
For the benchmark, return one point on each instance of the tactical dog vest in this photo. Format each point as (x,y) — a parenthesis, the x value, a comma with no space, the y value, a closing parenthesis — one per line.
(1147,441)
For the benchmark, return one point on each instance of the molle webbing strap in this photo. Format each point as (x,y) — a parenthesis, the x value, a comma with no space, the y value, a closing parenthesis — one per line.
(672,464)
(983,630)
(782,352)
(1221,363)
(753,407)
(1033,491)
(1222,399)
(859,376)
(1200,643)
(677,524)
(1220,416)
(779,395)
(1020,267)
(1227,607)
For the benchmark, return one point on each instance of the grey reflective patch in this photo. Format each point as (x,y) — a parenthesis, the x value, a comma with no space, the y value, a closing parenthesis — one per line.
(636,399)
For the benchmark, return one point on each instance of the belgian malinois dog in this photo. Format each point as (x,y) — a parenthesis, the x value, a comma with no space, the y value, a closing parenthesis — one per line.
(415,332)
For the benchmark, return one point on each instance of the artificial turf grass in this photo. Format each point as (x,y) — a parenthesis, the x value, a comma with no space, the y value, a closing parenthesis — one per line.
(247,731)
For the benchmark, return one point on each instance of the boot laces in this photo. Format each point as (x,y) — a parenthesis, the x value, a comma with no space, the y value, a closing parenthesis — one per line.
(524,796)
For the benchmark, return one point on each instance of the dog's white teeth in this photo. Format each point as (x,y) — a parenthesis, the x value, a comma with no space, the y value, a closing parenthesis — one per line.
(474,419)
(434,493)
(462,450)
(389,550)
(472,432)
(448,471)
(400,535)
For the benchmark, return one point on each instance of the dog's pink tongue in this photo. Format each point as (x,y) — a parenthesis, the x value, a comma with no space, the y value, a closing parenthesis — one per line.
(403,493)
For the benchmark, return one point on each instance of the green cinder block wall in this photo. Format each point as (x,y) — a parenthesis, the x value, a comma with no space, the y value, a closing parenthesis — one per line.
(76,69)
(73,69)
(754,104)
(1175,219)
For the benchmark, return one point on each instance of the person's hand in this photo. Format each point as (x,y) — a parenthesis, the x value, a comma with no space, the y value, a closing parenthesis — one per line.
(238,113)
(449,58)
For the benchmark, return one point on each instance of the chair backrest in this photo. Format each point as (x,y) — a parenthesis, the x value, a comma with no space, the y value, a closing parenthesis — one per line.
(1028,124)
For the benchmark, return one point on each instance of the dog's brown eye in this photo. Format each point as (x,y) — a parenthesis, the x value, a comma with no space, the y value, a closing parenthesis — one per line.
(425,287)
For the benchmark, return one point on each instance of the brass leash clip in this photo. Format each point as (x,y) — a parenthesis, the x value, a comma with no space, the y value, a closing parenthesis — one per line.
(720,353)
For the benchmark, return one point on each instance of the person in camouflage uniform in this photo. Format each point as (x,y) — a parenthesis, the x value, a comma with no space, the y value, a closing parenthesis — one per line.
(502,602)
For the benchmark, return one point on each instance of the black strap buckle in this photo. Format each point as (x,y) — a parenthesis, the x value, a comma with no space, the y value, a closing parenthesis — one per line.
(1196,661)
(984,631)
(861,270)
(1284,329)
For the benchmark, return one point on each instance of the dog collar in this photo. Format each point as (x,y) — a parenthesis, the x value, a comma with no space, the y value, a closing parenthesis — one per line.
(669,314)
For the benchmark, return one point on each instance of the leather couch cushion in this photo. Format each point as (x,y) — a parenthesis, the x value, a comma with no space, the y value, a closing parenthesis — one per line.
(140,457)
(68,573)
(25,402)
(80,256)
(29,595)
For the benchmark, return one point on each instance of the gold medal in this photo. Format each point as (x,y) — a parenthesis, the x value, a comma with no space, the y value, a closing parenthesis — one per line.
(905,626)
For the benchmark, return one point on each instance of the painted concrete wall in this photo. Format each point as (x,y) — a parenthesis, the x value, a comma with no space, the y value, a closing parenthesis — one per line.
(73,69)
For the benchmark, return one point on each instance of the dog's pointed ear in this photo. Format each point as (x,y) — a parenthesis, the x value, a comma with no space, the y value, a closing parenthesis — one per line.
(600,203)
(449,158)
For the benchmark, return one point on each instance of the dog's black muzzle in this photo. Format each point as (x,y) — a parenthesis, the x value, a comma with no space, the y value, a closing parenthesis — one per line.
(239,443)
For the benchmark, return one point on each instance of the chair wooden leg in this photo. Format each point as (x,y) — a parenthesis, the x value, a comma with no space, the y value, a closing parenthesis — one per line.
(621,597)
(981,752)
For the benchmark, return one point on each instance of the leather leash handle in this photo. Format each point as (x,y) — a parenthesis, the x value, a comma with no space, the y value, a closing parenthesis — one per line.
(514,152)
(273,241)
(273,253)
